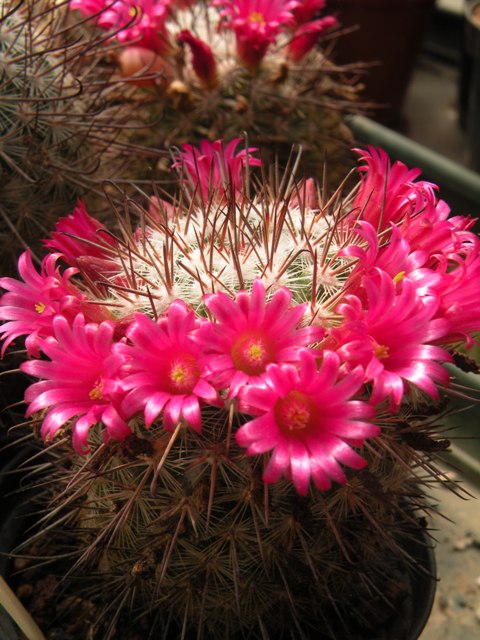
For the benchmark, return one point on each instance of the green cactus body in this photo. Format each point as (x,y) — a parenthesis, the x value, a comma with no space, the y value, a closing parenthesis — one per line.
(171,532)
(207,550)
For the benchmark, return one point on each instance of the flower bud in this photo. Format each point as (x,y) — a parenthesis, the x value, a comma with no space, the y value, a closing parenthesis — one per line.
(203,61)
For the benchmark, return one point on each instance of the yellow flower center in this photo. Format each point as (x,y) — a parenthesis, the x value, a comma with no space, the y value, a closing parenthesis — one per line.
(399,277)
(251,353)
(96,393)
(294,412)
(183,375)
(39,307)
(256,16)
(381,351)
(256,352)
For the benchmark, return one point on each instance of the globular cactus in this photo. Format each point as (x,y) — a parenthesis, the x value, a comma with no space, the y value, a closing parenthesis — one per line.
(251,378)
(220,69)
(63,120)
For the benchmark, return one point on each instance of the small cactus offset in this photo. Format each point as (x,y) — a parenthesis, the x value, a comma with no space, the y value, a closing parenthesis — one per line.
(222,68)
(241,397)
(62,122)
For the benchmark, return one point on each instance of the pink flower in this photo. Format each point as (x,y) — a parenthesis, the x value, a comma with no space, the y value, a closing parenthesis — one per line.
(78,234)
(85,243)
(214,167)
(140,22)
(203,61)
(394,257)
(251,333)
(451,274)
(434,232)
(458,291)
(391,338)
(388,192)
(390,195)
(256,24)
(89,7)
(166,369)
(307,419)
(30,306)
(308,35)
(81,381)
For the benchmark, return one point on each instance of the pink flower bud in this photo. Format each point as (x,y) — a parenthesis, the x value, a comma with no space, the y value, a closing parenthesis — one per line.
(307,10)
(307,36)
(203,61)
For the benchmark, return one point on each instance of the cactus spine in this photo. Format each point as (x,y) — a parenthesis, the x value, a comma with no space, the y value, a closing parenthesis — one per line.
(62,124)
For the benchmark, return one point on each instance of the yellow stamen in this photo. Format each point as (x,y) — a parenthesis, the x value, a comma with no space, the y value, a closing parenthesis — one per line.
(381,351)
(183,374)
(251,354)
(256,352)
(39,307)
(97,392)
(177,374)
(294,412)
(256,16)
(297,418)
(399,277)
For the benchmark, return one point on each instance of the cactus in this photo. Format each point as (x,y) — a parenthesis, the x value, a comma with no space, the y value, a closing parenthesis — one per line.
(273,82)
(255,409)
(62,121)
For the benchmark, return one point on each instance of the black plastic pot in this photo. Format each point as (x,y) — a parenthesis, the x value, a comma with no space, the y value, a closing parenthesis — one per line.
(13,520)
(14,505)
(418,605)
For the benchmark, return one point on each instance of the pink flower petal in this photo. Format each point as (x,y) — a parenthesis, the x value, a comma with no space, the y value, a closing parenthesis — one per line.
(154,406)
